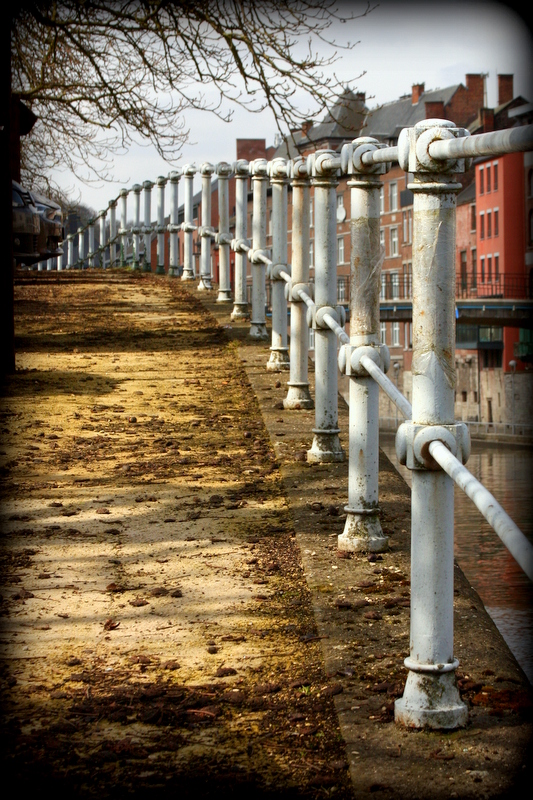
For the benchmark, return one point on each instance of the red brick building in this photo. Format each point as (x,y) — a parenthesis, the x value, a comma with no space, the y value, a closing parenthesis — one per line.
(492,234)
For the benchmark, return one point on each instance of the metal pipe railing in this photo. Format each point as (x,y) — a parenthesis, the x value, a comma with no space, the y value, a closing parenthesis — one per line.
(512,140)
(518,545)
(430,442)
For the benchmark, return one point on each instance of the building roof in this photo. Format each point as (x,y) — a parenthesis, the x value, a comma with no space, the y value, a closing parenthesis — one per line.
(343,121)
(385,122)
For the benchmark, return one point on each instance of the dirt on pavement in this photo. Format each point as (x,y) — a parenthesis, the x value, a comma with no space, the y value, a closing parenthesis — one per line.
(172,624)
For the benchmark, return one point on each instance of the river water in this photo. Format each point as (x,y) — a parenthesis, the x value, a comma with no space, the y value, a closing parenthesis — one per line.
(506,592)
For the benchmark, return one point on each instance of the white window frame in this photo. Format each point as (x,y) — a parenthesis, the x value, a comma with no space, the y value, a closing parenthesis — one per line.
(395,334)
(393,241)
(393,196)
(340,250)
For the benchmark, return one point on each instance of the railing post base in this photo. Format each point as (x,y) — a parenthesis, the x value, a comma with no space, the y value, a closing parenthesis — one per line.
(298,396)
(224,296)
(431,700)
(326,448)
(240,311)
(362,534)
(258,330)
(279,359)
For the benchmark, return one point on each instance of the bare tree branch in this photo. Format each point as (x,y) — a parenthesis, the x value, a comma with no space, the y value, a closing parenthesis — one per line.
(101,74)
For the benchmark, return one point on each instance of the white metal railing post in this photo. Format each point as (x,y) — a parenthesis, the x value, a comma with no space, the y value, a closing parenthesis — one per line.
(223,237)
(81,248)
(102,218)
(147,227)
(187,226)
(362,530)
(92,240)
(136,230)
(113,233)
(431,698)
(258,170)
(123,225)
(161,183)
(70,248)
(298,395)
(240,244)
(173,226)
(323,167)
(279,351)
(206,232)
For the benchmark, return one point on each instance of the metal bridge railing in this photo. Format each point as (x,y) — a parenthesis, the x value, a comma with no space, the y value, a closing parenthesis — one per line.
(430,442)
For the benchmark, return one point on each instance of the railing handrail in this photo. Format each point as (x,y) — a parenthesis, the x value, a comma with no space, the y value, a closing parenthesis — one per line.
(431,445)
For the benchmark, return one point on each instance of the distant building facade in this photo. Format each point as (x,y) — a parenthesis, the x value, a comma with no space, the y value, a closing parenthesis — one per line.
(494,234)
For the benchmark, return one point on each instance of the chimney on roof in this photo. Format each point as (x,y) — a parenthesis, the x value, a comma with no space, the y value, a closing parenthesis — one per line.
(475,83)
(306,126)
(505,89)
(249,149)
(417,92)
(487,119)
(434,109)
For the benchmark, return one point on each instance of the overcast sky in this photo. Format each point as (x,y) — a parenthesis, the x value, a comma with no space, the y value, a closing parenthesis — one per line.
(400,44)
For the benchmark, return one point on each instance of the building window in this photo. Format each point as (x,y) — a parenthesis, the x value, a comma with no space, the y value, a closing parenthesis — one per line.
(407,217)
(382,240)
(474,268)
(381,200)
(495,176)
(394,241)
(395,285)
(311,213)
(395,334)
(496,221)
(407,280)
(383,332)
(393,196)
(340,201)
(472,217)
(464,279)
(482,265)
(489,269)
(341,290)
(481,180)
(340,250)
(482,225)
(487,177)
(489,224)
(496,267)
(311,254)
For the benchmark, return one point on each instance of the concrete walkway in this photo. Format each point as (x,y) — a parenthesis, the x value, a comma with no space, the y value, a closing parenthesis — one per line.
(176,615)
